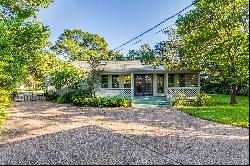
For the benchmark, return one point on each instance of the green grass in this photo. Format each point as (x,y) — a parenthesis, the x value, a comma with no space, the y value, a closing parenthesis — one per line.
(27,91)
(219,110)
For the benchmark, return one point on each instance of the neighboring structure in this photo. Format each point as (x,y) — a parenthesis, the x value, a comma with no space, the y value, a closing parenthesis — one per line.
(132,78)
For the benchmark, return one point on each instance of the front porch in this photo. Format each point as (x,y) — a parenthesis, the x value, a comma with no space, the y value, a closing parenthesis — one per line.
(140,84)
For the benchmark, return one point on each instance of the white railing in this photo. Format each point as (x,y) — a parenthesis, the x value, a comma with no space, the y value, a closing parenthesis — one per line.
(113,92)
(190,92)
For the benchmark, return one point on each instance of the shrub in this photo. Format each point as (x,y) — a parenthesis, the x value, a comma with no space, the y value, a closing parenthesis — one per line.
(80,92)
(69,95)
(180,100)
(5,101)
(201,99)
(52,96)
(102,102)
(61,100)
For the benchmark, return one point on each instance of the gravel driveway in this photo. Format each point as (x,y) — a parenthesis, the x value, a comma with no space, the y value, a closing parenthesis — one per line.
(41,132)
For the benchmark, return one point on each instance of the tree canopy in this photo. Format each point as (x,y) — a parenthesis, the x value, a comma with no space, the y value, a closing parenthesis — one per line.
(20,40)
(215,39)
(79,45)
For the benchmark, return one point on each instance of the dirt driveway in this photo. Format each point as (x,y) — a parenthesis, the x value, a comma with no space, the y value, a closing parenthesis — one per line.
(41,132)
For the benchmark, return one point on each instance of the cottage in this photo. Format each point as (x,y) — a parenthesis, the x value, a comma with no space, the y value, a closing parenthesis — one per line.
(132,78)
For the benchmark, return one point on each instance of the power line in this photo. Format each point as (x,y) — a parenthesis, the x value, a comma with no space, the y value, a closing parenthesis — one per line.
(164,29)
(139,41)
(157,25)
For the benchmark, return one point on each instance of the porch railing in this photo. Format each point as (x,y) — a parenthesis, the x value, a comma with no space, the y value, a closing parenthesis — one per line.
(190,92)
(113,92)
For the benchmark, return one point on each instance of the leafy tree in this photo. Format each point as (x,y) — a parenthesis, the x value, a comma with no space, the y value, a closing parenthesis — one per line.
(43,64)
(115,55)
(133,55)
(21,38)
(23,8)
(65,74)
(79,45)
(215,39)
(20,41)
(145,54)
(167,52)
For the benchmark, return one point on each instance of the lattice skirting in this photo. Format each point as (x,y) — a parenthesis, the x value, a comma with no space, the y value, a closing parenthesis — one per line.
(114,93)
(189,93)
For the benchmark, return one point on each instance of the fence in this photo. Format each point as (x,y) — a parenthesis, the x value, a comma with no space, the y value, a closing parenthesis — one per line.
(29,97)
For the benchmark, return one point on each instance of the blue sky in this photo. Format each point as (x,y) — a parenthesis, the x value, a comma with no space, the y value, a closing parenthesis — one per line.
(116,20)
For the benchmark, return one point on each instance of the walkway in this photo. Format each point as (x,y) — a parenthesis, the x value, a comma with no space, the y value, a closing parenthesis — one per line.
(46,133)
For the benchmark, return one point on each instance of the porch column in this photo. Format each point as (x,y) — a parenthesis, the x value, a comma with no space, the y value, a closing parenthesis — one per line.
(121,81)
(165,84)
(199,86)
(132,85)
(154,84)
(109,81)
(176,80)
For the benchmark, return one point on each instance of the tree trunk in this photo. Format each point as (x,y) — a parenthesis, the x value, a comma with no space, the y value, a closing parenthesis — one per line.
(233,89)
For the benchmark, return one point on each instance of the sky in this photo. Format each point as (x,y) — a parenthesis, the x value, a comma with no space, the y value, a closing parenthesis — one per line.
(117,21)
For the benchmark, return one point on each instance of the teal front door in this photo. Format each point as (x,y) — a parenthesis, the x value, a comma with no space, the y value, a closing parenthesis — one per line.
(143,85)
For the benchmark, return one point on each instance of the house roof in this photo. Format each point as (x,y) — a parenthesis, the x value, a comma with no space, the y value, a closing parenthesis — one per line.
(121,66)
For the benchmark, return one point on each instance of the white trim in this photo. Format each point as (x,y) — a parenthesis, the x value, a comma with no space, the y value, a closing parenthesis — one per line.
(132,81)
(154,81)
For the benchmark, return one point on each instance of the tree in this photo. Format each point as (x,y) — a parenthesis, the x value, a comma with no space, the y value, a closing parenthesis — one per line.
(167,52)
(79,45)
(23,8)
(20,41)
(133,55)
(66,74)
(116,55)
(145,54)
(215,39)
(43,64)
(21,38)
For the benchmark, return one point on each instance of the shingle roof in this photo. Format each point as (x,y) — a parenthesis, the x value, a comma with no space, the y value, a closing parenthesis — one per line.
(120,66)
(127,66)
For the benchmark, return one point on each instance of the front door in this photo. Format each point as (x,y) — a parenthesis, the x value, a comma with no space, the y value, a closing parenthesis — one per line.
(143,84)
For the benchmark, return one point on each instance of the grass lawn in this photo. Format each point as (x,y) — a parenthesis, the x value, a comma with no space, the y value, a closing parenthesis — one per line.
(219,110)
(34,92)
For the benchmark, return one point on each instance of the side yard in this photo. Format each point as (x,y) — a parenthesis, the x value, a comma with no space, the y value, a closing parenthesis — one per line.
(218,110)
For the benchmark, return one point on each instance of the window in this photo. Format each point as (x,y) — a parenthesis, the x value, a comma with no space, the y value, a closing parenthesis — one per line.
(182,78)
(127,81)
(104,81)
(115,81)
(170,80)
(160,83)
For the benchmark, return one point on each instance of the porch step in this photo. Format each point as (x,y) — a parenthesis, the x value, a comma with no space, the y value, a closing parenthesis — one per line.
(150,101)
